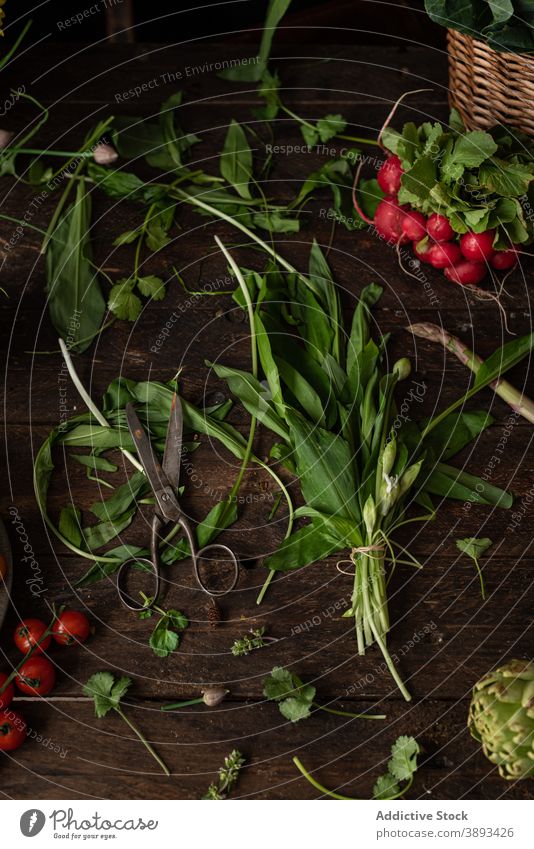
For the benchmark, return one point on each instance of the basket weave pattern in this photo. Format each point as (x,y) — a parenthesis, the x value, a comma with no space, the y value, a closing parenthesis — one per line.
(489,88)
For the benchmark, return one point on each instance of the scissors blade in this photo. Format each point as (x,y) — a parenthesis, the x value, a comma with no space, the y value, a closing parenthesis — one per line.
(172,455)
(149,461)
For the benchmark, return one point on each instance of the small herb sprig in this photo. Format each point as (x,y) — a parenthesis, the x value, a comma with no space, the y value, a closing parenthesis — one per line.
(227,778)
(401,767)
(165,637)
(107,690)
(255,639)
(296,699)
(474,548)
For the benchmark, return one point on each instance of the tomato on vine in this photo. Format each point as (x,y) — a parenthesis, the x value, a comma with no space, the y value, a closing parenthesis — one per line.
(70,627)
(36,677)
(12,730)
(28,633)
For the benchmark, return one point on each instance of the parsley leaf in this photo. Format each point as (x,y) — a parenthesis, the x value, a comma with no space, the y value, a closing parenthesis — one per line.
(122,302)
(474,547)
(151,287)
(402,766)
(385,787)
(106,690)
(403,762)
(324,130)
(164,638)
(294,698)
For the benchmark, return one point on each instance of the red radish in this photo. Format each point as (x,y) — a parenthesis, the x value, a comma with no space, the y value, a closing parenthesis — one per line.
(439,229)
(414,226)
(444,254)
(388,220)
(422,250)
(504,260)
(466,273)
(478,247)
(389,175)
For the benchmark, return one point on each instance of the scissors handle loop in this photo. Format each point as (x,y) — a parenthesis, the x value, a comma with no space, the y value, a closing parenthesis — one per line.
(216,551)
(152,563)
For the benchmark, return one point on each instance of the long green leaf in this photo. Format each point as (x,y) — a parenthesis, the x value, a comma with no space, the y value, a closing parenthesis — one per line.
(311,543)
(75,301)
(236,160)
(252,395)
(456,431)
(360,333)
(323,462)
(98,535)
(305,394)
(453,483)
(252,71)
(320,274)
(97,437)
(124,496)
(504,358)
(268,364)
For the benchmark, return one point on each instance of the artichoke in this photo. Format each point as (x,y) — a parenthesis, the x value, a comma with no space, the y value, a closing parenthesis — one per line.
(501,717)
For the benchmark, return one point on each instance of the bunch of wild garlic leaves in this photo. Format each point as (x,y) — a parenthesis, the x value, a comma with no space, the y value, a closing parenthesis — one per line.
(329,399)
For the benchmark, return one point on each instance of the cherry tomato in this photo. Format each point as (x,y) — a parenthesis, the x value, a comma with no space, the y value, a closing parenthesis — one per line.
(28,633)
(12,730)
(36,677)
(71,627)
(6,697)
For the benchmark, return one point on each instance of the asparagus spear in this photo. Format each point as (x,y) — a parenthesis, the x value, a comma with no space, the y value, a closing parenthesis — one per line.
(516,399)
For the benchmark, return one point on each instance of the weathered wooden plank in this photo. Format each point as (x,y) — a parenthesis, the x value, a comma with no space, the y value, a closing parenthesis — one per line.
(101,759)
(443,635)
(115,70)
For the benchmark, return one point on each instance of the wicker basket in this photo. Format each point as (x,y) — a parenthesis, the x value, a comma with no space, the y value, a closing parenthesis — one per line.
(489,88)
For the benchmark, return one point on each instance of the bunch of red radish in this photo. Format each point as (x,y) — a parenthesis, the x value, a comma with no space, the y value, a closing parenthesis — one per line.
(36,676)
(465,260)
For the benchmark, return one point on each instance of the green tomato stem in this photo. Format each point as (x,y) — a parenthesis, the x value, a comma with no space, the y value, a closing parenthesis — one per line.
(144,741)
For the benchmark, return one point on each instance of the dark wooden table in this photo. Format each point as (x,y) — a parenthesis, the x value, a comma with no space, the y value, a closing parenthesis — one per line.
(444,635)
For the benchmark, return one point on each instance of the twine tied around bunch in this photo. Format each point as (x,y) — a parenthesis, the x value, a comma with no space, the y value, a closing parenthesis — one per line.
(362,549)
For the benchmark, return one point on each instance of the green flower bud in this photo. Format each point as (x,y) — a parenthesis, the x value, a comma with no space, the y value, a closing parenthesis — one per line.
(388,455)
(409,477)
(402,368)
(369,515)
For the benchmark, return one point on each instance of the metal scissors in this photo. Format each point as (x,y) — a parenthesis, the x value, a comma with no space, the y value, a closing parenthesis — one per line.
(164,479)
